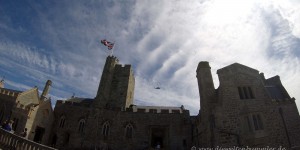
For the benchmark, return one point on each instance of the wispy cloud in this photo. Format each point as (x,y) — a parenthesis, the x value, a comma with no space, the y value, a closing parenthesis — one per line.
(163,41)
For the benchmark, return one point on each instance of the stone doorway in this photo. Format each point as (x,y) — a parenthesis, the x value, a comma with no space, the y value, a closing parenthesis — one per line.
(159,136)
(39,133)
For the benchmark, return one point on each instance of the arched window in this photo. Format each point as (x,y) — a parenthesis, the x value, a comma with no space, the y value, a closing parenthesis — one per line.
(62,121)
(81,126)
(105,128)
(129,131)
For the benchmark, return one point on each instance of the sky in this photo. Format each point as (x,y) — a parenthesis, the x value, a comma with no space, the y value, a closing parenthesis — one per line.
(163,40)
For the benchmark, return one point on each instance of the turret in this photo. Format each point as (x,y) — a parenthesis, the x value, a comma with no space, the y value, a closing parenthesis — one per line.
(105,82)
(205,84)
(46,90)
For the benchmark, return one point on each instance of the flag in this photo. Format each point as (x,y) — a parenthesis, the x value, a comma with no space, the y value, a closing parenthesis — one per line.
(108,44)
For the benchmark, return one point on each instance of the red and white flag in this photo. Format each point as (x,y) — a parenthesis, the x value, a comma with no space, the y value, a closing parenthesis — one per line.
(108,44)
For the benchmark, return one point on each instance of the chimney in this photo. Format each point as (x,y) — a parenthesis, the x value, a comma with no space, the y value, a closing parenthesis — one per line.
(46,89)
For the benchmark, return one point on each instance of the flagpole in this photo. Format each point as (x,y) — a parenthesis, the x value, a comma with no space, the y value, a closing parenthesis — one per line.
(112,50)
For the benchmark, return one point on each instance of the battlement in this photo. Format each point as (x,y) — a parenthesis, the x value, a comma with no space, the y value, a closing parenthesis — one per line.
(157,109)
(10,93)
(75,102)
(126,67)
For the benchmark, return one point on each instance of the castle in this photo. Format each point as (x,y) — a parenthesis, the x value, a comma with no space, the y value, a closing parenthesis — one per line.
(245,110)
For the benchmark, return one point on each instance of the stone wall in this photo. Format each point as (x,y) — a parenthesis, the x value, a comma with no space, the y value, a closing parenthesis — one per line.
(175,127)
(245,113)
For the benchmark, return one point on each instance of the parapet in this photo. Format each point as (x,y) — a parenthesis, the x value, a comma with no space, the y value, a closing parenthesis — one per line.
(75,102)
(8,92)
(120,69)
(112,58)
(157,109)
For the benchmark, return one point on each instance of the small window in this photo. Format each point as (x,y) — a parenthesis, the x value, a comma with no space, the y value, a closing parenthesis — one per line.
(105,128)
(241,93)
(250,93)
(246,92)
(129,131)
(62,122)
(81,126)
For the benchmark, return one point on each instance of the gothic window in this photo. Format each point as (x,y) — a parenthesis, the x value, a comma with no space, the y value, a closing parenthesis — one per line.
(245,93)
(129,131)
(81,126)
(105,128)
(62,122)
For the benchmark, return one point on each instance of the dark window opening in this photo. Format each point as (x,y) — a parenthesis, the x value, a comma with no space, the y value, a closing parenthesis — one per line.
(250,92)
(129,130)
(105,129)
(241,93)
(246,92)
(81,126)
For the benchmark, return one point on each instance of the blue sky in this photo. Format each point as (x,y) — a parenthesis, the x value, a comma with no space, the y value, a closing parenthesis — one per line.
(163,40)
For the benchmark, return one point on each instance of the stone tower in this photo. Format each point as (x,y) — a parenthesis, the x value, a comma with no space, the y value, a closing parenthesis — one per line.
(116,88)
(207,99)
(206,86)
(46,90)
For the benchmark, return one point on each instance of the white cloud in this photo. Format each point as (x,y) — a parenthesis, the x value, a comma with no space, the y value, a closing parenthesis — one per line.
(163,41)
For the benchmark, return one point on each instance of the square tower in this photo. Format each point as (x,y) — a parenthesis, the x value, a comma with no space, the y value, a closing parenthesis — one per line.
(116,88)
